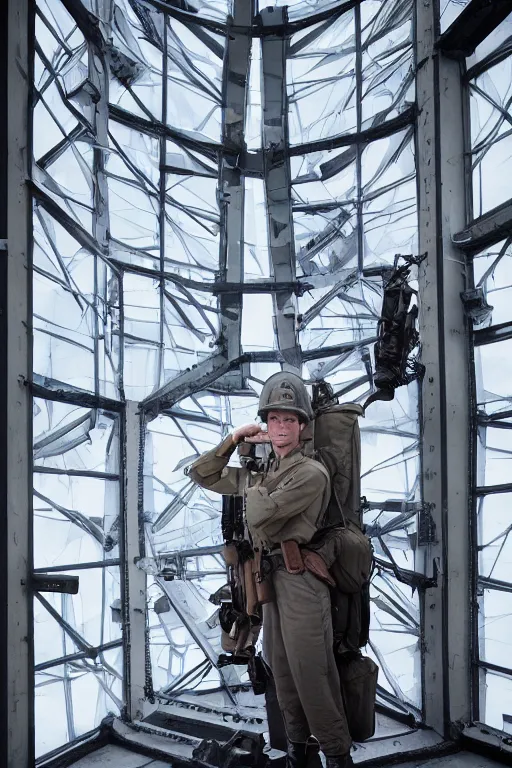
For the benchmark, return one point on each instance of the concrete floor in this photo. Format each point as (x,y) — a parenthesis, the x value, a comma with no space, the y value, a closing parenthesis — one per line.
(117,757)
(462,760)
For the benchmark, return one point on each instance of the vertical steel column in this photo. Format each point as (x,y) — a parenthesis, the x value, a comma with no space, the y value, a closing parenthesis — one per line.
(17,689)
(277,182)
(135,578)
(231,180)
(99,77)
(445,426)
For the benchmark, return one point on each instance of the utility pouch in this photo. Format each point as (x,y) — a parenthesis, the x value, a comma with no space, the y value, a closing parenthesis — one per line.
(264,587)
(358,678)
(316,565)
(251,599)
(292,557)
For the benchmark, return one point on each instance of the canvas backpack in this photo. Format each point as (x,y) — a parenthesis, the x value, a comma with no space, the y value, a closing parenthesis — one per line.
(334,440)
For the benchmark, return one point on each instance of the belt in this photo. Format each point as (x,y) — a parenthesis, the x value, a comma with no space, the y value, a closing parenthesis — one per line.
(270,562)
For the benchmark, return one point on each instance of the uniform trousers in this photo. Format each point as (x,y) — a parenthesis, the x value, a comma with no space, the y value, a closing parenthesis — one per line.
(298,647)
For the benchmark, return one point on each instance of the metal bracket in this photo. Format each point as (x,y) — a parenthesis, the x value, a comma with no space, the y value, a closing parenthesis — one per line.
(475,305)
(427,533)
(43,582)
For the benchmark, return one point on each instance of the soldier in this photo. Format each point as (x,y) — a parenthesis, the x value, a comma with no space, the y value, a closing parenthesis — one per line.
(287,503)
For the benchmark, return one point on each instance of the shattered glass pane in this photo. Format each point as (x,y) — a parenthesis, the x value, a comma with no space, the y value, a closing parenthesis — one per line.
(258,335)
(389,190)
(321,81)
(387,60)
(495,536)
(194,80)
(495,636)
(254,107)
(331,91)
(137,238)
(495,46)
(493,367)
(394,639)
(256,256)
(72,699)
(491,136)
(498,695)
(494,454)
(493,516)
(135,60)
(492,270)
(347,312)
(450,10)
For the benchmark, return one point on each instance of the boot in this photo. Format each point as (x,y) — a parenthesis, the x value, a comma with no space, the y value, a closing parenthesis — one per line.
(303,756)
(340,761)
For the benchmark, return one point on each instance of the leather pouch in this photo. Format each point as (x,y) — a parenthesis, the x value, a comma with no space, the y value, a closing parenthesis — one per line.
(292,557)
(315,565)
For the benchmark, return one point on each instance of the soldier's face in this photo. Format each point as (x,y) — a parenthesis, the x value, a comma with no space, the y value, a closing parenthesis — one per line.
(284,430)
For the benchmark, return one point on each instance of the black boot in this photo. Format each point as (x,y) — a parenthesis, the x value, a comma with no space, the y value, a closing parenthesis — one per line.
(340,761)
(303,756)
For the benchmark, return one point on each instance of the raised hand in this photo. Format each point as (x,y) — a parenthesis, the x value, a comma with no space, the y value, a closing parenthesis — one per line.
(248,430)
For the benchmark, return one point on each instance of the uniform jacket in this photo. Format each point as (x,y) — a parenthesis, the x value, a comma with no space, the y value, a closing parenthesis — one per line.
(286,502)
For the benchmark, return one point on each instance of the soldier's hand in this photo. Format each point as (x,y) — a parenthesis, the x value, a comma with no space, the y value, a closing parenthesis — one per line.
(248,430)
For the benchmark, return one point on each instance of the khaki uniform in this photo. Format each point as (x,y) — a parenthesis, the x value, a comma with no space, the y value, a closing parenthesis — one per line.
(288,503)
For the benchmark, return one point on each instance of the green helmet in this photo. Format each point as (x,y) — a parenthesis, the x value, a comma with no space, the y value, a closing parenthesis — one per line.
(285,392)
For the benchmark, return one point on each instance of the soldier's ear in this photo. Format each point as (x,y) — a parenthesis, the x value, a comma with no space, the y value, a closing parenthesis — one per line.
(302,425)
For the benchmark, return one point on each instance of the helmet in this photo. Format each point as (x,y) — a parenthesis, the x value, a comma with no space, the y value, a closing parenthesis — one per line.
(285,391)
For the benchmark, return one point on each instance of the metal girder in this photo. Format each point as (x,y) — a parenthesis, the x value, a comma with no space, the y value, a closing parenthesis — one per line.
(182,11)
(231,180)
(16,623)
(215,549)
(207,374)
(251,163)
(86,21)
(445,397)
(486,230)
(99,77)
(366,136)
(476,22)
(277,183)
(51,389)
(493,334)
(253,286)
(134,578)
(191,381)
(485,490)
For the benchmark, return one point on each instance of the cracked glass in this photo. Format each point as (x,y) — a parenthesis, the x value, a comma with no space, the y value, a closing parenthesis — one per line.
(179,261)
(492,518)
(490,98)
(451,10)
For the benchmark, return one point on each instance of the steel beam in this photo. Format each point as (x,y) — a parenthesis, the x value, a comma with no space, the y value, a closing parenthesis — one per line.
(476,22)
(231,180)
(134,577)
(486,230)
(445,416)
(17,677)
(194,380)
(493,334)
(277,183)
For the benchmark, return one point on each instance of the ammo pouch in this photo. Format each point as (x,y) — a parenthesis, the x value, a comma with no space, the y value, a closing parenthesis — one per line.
(358,678)
(347,554)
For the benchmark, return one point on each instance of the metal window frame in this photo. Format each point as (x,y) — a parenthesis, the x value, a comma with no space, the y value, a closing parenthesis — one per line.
(445,428)
(472,27)
(444,341)
(16,678)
